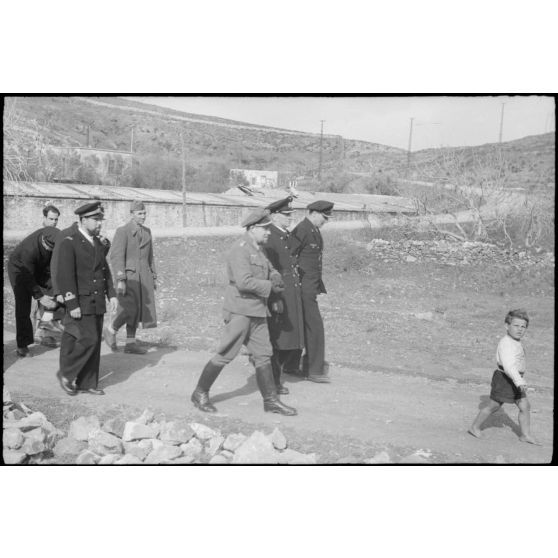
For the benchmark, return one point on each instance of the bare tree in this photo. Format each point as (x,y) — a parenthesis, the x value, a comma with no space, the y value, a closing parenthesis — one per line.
(471,189)
(20,143)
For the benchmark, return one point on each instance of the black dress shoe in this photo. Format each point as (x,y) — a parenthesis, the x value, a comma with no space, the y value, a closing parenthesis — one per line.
(67,386)
(92,391)
(134,349)
(23,352)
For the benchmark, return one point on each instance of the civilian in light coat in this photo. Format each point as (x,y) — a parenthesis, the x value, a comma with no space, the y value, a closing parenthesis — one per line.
(131,259)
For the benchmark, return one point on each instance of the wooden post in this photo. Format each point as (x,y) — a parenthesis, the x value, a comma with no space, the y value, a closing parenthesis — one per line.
(184,219)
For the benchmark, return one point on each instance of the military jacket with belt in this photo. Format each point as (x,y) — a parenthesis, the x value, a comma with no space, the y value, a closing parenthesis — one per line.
(308,247)
(249,273)
(83,275)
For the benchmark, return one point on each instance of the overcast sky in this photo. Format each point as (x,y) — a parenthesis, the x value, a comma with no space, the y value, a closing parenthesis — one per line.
(438,121)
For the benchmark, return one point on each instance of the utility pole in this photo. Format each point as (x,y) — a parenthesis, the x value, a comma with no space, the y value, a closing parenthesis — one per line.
(184,221)
(321,143)
(409,147)
(501,123)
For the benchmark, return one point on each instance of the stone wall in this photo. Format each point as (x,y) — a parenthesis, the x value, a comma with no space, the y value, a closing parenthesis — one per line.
(24,214)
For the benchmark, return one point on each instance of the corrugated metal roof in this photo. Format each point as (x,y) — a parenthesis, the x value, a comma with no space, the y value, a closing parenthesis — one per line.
(343,202)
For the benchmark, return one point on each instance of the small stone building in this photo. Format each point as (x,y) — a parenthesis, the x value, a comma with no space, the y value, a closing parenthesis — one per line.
(256,178)
(109,164)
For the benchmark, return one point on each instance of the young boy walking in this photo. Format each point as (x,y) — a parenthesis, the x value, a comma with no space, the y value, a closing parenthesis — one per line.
(508,385)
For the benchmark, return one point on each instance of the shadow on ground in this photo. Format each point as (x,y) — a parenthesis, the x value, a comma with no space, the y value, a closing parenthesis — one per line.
(249,387)
(499,419)
(118,367)
(11,357)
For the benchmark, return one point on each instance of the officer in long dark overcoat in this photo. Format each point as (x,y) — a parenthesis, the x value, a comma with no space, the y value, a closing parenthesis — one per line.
(251,280)
(286,322)
(308,247)
(29,274)
(131,258)
(84,279)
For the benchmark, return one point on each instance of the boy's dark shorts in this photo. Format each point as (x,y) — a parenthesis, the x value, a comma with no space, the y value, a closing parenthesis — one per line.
(503,389)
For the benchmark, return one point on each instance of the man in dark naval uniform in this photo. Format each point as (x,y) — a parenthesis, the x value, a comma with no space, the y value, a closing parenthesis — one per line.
(29,274)
(251,280)
(83,278)
(286,323)
(308,249)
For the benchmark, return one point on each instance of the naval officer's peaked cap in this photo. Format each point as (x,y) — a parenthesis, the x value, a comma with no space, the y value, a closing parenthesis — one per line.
(321,206)
(258,218)
(281,206)
(92,209)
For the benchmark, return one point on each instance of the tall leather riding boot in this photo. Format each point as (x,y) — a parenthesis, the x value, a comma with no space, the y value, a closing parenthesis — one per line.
(200,396)
(266,383)
(276,368)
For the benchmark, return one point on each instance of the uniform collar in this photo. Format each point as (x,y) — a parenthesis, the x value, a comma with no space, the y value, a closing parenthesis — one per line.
(89,237)
(280,229)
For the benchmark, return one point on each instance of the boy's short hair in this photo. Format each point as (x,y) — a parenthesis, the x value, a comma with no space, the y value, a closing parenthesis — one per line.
(48,208)
(517,313)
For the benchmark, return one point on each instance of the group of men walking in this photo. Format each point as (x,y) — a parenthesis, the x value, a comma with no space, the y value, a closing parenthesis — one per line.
(271,303)
(270,306)
(68,269)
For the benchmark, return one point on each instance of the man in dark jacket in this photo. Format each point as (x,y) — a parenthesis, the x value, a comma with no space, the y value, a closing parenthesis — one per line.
(29,274)
(47,323)
(84,279)
(131,258)
(286,323)
(308,249)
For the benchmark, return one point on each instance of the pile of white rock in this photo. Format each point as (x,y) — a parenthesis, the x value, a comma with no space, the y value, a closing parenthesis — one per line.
(145,440)
(28,437)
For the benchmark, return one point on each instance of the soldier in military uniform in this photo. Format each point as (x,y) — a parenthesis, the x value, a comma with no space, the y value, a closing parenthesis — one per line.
(308,249)
(251,280)
(29,274)
(286,323)
(84,279)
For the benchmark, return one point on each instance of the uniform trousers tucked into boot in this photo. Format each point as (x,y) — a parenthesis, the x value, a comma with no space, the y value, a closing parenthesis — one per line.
(252,332)
(80,350)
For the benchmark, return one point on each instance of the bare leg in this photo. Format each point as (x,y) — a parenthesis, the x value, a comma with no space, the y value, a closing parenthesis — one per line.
(484,413)
(525,421)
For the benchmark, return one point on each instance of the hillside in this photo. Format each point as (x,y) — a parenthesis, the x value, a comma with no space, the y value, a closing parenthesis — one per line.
(64,120)
(529,161)
(214,145)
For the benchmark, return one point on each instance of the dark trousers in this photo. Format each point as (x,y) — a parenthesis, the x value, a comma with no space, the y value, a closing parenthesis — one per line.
(120,319)
(24,327)
(80,350)
(314,337)
(288,360)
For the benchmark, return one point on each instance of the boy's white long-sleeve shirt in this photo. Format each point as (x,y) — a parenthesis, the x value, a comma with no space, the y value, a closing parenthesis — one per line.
(511,357)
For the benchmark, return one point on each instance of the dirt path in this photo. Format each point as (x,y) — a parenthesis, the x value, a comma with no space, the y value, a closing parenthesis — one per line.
(352,417)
